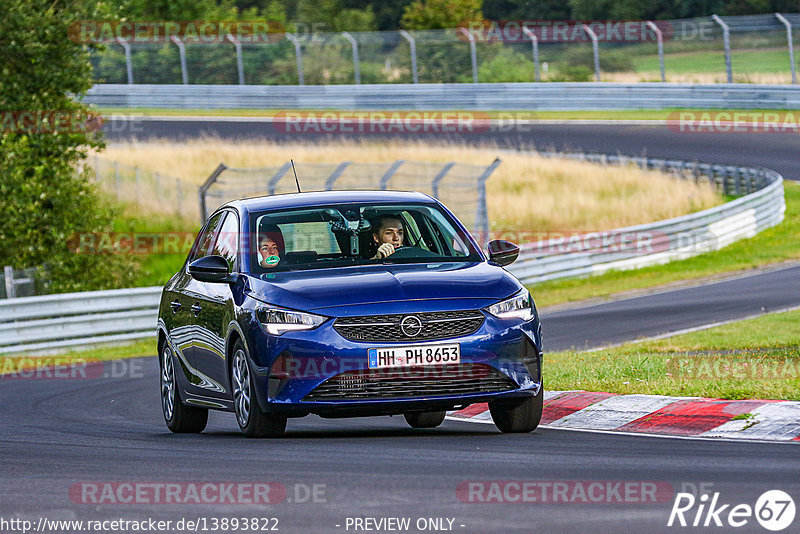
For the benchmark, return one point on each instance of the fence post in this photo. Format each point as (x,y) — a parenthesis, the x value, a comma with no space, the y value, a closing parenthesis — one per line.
(298,54)
(276,177)
(595,50)
(413,45)
(726,42)
(335,175)
(438,178)
(128,62)
(178,196)
(388,174)
(182,52)
(8,271)
(660,41)
(116,177)
(482,217)
(138,181)
(201,191)
(535,43)
(239,60)
(472,53)
(356,66)
(789,41)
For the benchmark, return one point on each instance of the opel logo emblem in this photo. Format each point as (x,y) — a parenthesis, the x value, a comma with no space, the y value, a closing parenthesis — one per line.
(411,326)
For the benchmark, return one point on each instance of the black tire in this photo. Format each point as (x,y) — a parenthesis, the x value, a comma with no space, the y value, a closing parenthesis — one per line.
(518,417)
(424,419)
(180,418)
(253,421)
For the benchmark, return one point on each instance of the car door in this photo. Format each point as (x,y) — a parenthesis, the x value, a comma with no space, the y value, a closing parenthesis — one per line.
(211,310)
(184,331)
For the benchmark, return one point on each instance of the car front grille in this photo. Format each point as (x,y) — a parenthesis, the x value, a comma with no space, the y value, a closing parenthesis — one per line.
(434,325)
(412,382)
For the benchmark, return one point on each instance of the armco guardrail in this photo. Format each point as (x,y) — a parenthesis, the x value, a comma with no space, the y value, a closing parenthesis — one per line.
(68,320)
(73,319)
(761,206)
(474,97)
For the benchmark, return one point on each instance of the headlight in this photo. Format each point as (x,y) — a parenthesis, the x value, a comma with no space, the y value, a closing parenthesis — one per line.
(276,321)
(520,306)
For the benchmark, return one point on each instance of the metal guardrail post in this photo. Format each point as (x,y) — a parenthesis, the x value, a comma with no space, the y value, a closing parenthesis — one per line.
(203,189)
(8,272)
(298,54)
(439,177)
(128,61)
(473,54)
(182,52)
(726,42)
(482,217)
(239,60)
(413,45)
(277,177)
(356,66)
(660,41)
(389,173)
(335,175)
(535,44)
(595,50)
(789,42)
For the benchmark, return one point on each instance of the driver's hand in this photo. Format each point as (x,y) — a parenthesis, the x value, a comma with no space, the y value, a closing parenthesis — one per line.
(384,251)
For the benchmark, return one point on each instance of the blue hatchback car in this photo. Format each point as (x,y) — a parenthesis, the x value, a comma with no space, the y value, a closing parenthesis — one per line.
(345,304)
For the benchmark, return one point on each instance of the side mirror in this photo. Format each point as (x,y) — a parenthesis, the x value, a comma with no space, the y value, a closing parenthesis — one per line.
(502,252)
(210,269)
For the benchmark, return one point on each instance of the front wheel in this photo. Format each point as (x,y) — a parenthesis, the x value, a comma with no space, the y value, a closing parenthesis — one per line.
(520,416)
(179,417)
(253,421)
(424,419)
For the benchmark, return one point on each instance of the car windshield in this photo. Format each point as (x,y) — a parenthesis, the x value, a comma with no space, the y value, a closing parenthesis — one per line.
(355,234)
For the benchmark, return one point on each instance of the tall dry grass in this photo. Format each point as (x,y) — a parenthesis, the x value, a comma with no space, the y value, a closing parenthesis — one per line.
(526,192)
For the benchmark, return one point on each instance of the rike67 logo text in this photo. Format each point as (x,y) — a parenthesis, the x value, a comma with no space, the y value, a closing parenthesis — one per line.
(774,510)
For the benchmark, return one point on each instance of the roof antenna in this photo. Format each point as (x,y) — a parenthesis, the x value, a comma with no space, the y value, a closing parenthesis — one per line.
(295,176)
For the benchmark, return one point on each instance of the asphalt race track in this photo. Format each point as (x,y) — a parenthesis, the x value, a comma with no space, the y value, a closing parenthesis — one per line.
(60,436)
(777,151)
(625,320)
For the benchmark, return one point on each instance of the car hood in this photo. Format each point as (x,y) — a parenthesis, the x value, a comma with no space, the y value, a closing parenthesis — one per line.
(335,291)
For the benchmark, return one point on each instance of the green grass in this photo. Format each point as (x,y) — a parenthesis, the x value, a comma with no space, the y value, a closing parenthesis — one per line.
(115,351)
(776,244)
(155,269)
(743,62)
(751,359)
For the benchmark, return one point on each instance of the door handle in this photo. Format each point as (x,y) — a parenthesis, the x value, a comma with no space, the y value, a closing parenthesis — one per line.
(196,309)
(175,305)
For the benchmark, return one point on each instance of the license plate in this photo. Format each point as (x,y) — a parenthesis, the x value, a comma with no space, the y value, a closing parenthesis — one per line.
(411,355)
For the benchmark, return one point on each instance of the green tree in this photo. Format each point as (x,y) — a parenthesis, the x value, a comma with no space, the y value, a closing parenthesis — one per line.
(47,202)
(438,14)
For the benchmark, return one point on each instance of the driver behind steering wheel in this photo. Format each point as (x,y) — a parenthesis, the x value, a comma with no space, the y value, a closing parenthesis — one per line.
(388,234)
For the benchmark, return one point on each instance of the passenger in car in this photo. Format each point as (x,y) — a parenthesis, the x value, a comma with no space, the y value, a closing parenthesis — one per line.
(388,234)
(270,246)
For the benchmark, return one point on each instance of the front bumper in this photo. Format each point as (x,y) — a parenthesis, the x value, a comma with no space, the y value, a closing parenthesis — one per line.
(288,368)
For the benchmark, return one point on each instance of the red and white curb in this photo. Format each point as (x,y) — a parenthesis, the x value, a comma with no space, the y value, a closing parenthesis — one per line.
(768,420)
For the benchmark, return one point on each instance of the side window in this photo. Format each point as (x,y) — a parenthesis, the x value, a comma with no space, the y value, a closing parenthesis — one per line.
(227,242)
(202,245)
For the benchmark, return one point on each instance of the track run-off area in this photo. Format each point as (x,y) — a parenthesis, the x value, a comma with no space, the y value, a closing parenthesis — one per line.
(67,441)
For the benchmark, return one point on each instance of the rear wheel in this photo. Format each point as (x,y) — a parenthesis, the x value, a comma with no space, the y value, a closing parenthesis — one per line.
(179,417)
(424,419)
(520,416)
(253,421)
